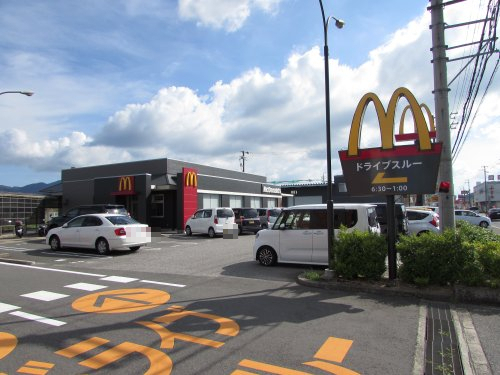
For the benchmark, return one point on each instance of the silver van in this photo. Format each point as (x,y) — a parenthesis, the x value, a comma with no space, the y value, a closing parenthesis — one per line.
(299,234)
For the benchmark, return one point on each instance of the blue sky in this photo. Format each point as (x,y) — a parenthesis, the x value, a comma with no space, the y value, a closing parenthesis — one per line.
(201,80)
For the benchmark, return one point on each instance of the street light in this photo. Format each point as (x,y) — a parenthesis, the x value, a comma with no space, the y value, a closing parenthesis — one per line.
(329,272)
(27,93)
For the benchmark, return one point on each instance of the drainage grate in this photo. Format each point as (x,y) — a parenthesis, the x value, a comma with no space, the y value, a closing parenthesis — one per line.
(441,351)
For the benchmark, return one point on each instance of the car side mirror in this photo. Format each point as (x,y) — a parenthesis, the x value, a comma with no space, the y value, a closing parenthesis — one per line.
(65,225)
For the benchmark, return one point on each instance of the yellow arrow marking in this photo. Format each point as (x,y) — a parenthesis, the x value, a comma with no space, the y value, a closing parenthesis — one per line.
(121,301)
(380,179)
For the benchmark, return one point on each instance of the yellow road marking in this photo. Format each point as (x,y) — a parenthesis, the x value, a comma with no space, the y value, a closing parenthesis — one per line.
(380,179)
(7,344)
(334,349)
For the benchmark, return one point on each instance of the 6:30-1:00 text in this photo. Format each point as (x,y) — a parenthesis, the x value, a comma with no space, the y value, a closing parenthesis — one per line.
(389,188)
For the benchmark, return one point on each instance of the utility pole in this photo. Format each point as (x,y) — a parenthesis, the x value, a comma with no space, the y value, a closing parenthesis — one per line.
(439,59)
(486,202)
(242,159)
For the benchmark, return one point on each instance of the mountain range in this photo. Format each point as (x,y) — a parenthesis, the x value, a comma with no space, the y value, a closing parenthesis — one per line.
(31,188)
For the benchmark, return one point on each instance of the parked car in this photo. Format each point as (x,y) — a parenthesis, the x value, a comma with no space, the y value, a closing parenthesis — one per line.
(300,233)
(104,232)
(422,221)
(494,213)
(268,216)
(209,221)
(57,221)
(248,220)
(473,218)
(401,219)
(432,208)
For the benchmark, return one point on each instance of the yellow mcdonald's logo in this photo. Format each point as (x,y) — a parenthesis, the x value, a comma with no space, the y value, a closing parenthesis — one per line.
(125,184)
(386,120)
(191,179)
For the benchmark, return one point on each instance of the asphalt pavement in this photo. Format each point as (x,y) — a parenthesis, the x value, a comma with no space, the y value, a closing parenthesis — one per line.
(471,330)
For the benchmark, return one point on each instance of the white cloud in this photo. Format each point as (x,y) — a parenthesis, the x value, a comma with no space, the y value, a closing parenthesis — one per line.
(223,14)
(278,117)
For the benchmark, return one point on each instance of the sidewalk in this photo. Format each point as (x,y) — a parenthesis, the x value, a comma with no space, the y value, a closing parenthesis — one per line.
(471,317)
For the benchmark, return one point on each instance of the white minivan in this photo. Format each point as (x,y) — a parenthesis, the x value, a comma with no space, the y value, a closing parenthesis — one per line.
(299,234)
(209,221)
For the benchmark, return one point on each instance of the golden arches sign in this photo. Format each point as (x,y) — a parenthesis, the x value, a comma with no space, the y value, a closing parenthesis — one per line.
(389,169)
(386,120)
(191,179)
(125,183)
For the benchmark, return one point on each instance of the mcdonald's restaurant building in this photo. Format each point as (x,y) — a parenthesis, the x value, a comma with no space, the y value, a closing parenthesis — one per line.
(165,192)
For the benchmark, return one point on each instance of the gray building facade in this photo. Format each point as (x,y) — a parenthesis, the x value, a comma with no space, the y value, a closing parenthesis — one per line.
(153,190)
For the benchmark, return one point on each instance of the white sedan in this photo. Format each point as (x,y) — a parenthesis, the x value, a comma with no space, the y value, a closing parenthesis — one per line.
(104,232)
(473,218)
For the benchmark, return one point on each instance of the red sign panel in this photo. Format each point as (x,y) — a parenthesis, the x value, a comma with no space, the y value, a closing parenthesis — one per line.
(189,193)
(126,186)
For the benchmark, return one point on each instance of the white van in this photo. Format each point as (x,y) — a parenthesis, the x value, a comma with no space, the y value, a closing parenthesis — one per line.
(210,221)
(299,234)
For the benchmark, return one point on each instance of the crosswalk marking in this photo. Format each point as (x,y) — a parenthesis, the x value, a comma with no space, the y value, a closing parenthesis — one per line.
(4,307)
(86,286)
(43,295)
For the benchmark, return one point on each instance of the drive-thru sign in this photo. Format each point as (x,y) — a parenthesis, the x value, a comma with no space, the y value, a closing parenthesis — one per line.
(390,169)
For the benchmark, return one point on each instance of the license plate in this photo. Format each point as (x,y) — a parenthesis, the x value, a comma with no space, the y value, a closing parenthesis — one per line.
(250,221)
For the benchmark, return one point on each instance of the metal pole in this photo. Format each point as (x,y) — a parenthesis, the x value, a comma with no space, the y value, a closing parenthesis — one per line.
(446,200)
(329,272)
(27,93)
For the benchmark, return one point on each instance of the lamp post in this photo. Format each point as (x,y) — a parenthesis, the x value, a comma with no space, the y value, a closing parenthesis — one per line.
(27,93)
(329,272)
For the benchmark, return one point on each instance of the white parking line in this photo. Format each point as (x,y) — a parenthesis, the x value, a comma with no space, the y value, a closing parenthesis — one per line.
(162,283)
(119,279)
(38,318)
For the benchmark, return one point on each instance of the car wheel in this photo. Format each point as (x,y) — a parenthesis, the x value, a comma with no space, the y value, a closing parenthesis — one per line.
(102,246)
(211,232)
(188,231)
(55,243)
(420,233)
(483,224)
(267,256)
(134,248)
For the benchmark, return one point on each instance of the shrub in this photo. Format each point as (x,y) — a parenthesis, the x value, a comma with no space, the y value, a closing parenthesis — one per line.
(489,257)
(474,233)
(440,258)
(360,254)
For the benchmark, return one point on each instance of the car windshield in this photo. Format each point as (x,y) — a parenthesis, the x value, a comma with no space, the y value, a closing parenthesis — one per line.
(274,213)
(250,213)
(121,220)
(225,213)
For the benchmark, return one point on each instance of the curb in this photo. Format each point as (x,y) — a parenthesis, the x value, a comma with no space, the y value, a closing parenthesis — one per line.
(455,294)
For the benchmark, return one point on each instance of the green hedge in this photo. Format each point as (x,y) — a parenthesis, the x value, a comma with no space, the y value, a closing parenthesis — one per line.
(469,255)
(359,254)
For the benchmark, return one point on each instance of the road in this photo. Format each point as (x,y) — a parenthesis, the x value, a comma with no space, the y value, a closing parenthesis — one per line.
(192,305)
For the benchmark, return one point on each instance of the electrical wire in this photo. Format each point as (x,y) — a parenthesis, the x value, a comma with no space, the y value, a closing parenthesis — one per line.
(485,51)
